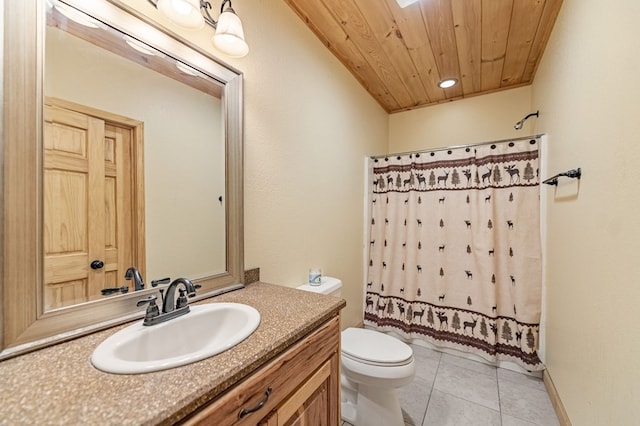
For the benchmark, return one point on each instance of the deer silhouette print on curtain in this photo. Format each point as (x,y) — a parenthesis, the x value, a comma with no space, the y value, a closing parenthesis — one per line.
(454,251)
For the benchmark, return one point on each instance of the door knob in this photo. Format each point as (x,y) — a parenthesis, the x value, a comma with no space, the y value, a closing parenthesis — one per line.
(97,264)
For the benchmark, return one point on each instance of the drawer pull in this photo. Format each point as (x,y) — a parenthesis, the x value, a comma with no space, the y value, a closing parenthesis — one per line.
(246,411)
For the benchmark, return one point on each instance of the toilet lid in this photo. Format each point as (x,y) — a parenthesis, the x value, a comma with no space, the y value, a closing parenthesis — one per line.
(374,347)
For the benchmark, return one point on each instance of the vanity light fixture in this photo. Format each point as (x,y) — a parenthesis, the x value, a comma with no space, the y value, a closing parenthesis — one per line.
(449,82)
(193,14)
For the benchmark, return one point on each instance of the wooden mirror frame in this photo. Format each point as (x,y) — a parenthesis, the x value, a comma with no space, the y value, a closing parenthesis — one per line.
(24,325)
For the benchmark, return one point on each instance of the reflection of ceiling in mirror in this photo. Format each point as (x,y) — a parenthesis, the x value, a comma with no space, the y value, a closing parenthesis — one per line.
(136,51)
(185,221)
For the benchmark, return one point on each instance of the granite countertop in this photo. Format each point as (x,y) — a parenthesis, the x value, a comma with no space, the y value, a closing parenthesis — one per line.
(58,384)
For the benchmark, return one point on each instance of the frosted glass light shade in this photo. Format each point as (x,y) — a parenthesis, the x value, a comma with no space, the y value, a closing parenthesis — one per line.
(185,13)
(229,36)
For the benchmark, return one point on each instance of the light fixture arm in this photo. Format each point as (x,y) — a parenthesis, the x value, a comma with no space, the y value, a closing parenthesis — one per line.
(205,6)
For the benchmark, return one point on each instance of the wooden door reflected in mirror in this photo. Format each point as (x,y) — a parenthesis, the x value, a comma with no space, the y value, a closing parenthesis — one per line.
(91,226)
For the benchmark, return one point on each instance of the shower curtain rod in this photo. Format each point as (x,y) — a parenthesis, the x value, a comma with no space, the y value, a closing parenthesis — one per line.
(521,138)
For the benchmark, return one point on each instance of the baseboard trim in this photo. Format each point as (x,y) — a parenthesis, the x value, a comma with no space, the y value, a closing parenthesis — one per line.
(563,418)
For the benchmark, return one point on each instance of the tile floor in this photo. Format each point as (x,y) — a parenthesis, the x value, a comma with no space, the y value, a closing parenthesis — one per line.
(453,391)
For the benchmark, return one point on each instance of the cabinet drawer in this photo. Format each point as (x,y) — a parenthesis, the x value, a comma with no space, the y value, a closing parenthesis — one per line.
(283,375)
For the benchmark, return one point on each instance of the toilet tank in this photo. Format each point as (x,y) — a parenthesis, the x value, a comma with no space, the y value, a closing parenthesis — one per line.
(329,286)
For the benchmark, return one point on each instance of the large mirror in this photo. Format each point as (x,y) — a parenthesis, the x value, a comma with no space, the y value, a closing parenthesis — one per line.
(125,151)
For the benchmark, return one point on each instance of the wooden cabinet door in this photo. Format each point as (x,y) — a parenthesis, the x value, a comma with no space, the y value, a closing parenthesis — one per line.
(86,188)
(309,405)
(303,386)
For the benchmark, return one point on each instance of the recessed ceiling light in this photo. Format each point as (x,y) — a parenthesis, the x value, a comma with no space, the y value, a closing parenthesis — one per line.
(405,3)
(449,82)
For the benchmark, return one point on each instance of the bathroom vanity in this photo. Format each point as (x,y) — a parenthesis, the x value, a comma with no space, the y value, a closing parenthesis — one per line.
(292,357)
(294,352)
(301,385)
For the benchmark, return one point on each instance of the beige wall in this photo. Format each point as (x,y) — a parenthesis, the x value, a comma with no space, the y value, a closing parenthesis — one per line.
(587,90)
(308,127)
(476,119)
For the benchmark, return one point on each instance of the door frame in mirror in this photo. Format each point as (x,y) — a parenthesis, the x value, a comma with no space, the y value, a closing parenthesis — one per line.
(24,325)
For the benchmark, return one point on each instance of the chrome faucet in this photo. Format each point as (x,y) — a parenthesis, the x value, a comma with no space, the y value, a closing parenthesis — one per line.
(133,274)
(170,307)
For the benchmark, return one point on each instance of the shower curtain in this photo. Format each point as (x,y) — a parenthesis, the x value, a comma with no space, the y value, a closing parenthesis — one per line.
(454,250)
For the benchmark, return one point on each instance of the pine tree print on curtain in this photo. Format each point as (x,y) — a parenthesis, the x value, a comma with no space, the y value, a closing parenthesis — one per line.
(454,253)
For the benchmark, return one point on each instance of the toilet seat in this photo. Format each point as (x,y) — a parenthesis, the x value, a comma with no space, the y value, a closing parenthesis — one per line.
(374,348)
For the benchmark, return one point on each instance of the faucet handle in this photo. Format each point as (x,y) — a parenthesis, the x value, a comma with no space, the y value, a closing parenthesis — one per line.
(182,299)
(151,300)
(195,287)
(152,309)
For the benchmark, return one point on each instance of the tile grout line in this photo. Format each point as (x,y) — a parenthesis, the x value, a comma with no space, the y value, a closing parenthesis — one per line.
(499,399)
(433,386)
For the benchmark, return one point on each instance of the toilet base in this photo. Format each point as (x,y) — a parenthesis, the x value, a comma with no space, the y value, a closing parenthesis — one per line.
(374,406)
(348,412)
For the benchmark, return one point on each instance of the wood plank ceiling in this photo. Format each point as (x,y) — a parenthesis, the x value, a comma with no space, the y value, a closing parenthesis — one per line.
(401,54)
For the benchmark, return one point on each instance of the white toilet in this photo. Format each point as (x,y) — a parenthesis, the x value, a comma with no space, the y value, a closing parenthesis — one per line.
(373,364)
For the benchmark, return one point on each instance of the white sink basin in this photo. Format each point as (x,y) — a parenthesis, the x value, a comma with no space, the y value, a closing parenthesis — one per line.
(205,331)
